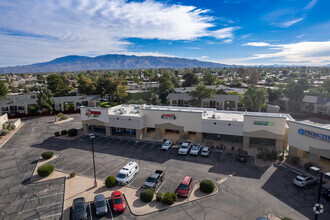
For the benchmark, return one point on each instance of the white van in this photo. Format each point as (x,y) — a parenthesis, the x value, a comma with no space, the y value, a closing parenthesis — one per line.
(127,173)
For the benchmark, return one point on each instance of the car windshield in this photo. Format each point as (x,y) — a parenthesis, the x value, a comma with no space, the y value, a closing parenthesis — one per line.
(121,175)
(183,186)
(194,147)
(100,204)
(79,207)
(166,143)
(118,201)
(151,180)
(205,150)
(299,178)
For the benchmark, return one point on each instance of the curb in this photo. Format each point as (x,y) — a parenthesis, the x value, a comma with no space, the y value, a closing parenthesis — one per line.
(174,205)
(19,127)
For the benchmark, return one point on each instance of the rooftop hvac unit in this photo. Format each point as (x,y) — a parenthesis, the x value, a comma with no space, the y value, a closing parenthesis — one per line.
(213,116)
(234,119)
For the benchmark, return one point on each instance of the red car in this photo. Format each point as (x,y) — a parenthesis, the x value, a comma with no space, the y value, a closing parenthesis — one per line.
(184,186)
(118,202)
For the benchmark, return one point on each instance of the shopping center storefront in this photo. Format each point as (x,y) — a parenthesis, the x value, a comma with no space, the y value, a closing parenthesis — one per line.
(310,142)
(245,129)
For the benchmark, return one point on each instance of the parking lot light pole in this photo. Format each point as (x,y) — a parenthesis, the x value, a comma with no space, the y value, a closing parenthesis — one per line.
(318,207)
(92,136)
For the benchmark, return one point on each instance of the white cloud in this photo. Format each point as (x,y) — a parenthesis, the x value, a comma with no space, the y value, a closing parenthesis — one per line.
(300,36)
(204,57)
(193,48)
(290,23)
(257,44)
(302,53)
(311,4)
(38,30)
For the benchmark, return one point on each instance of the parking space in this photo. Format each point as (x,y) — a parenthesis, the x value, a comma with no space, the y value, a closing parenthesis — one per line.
(91,212)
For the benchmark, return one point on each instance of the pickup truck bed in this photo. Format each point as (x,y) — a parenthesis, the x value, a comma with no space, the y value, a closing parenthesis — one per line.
(153,179)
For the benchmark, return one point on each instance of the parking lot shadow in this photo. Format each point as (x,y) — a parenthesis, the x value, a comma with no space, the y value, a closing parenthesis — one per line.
(280,185)
(221,163)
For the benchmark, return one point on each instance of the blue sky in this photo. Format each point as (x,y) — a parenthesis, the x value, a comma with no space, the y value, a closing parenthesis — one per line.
(248,32)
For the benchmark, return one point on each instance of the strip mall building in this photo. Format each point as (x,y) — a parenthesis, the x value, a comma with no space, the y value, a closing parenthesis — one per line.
(243,129)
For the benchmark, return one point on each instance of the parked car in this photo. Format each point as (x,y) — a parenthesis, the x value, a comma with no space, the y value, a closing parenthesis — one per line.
(184,187)
(184,148)
(242,156)
(326,195)
(127,173)
(195,149)
(100,205)
(167,145)
(154,178)
(304,181)
(206,151)
(79,211)
(118,202)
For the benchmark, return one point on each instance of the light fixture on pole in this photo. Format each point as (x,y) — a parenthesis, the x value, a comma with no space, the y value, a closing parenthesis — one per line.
(92,136)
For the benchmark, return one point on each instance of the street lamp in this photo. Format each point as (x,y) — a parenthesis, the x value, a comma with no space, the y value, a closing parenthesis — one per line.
(92,136)
(318,208)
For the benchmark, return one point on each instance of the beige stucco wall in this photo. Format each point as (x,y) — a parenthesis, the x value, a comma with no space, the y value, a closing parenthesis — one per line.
(222,127)
(278,128)
(103,117)
(3,119)
(126,121)
(192,121)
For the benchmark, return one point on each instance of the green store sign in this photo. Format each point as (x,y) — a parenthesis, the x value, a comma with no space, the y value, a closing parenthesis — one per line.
(264,123)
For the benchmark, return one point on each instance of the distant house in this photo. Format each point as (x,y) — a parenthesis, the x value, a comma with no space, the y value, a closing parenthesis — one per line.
(310,104)
(220,102)
(23,104)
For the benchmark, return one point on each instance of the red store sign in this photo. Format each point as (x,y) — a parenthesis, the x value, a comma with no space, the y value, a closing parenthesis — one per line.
(168,116)
(92,113)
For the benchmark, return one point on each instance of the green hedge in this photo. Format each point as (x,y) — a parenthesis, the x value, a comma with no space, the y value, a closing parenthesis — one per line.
(110,181)
(169,198)
(57,133)
(45,170)
(206,186)
(159,196)
(64,132)
(146,195)
(47,155)
(72,174)
(4,132)
(72,132)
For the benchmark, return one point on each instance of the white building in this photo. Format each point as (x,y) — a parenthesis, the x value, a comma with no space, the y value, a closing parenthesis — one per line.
(245,129)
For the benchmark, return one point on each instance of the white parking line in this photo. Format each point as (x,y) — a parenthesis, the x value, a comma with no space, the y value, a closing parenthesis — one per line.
(39,207)
(40,197)
(110,209)
(131,182)
(160,186)
(48,216)
(90,211)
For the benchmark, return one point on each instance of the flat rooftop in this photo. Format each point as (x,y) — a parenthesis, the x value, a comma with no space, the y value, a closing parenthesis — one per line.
(207,113)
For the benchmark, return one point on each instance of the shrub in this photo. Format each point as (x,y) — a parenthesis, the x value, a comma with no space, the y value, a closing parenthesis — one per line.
(64,117)
(60,115)
(273,155)
(110,181)
(169,198)
(72,132)
(57,133)
(206,186)
(146,195)
(286,218)
(4,132)
(308,165)
(0,137)
(295,160)
(45,170)
(12,126)
(159,196)
(72,174)
(64,132)
(47,155)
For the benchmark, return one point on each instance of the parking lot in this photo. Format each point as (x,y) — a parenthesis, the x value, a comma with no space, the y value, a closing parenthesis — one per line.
(245,191)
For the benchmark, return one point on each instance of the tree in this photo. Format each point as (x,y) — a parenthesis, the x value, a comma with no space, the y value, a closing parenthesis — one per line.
(3,89)
(304,83)
(209,78)
(254,77)
(326,84)
(175,80)
(274,95)
(121,92)
(56,85)
(86,85)
(45,101)
(165,86)
(295,93)
(190,79)
(254,98)
(202,92)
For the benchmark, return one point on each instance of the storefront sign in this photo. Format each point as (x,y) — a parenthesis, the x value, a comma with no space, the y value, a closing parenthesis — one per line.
(92,113)
(312,134)
(168,116)
(264,123)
